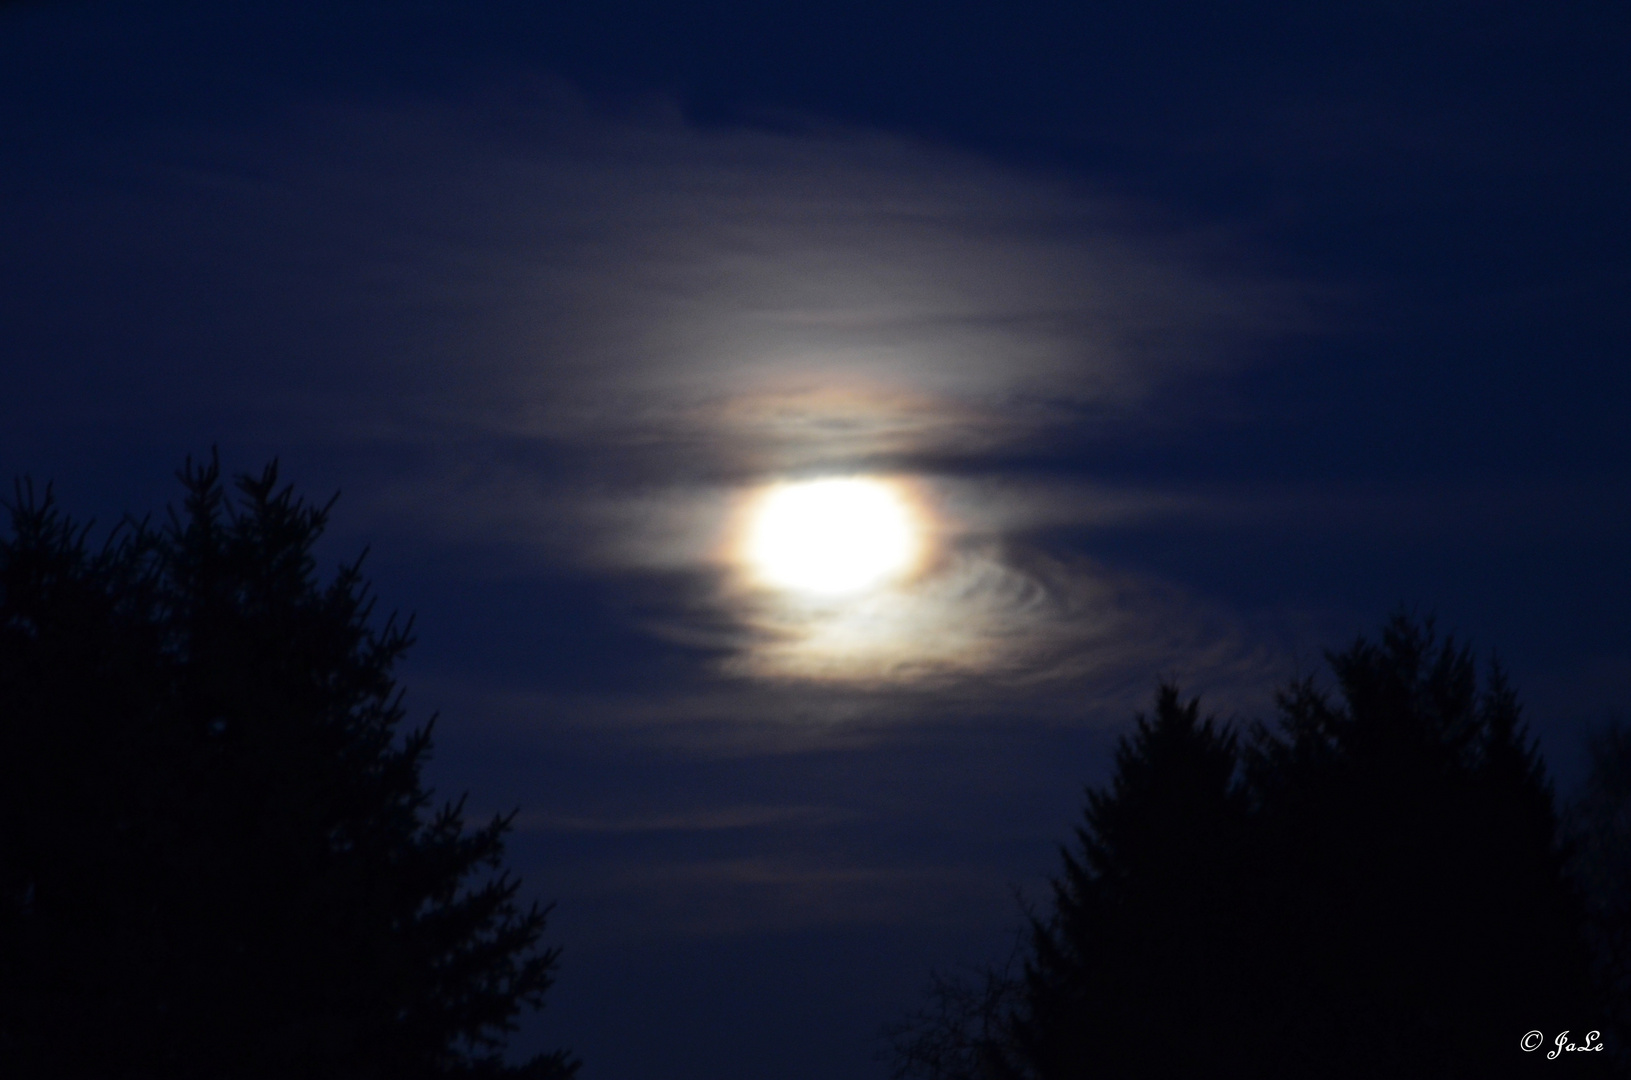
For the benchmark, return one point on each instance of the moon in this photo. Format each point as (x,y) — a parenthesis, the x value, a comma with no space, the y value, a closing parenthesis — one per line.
(832,537)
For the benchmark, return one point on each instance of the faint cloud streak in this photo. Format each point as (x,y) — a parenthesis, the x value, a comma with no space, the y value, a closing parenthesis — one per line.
(588,335)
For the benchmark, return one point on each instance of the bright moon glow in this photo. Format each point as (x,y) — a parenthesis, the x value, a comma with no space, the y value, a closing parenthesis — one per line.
(831,536)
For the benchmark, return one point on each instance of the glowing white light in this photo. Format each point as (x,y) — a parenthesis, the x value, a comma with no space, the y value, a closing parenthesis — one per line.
(831,536)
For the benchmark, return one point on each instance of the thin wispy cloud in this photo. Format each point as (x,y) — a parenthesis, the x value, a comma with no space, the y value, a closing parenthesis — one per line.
(721,819)
(592,336)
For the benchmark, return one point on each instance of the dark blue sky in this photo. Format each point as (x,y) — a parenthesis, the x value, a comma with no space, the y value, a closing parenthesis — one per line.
(1202,337)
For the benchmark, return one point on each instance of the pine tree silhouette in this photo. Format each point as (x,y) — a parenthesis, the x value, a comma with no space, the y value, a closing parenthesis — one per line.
(1139,944)
(217,854)
(1600,831)
(1412,906)
(1373,886)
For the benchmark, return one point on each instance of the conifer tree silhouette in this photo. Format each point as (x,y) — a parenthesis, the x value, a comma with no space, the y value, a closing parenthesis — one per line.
(1140,935)
(1136,917)
(217,854)
(1373,886)
(1409,885)
(1600,831)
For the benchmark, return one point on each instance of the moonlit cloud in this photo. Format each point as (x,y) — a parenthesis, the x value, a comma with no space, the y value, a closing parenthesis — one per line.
(592,336)
(728,818)
(743,300)
(993,616)
(685,314)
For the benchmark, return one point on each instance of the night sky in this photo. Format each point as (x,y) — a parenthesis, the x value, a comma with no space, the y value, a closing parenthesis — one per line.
(1190,340)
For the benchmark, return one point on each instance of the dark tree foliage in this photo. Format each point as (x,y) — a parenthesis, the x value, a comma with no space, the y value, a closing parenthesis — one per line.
(1600,828)
(1136,907)
(1144,910)
(1372,887)
(217,855)
(1409,889)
